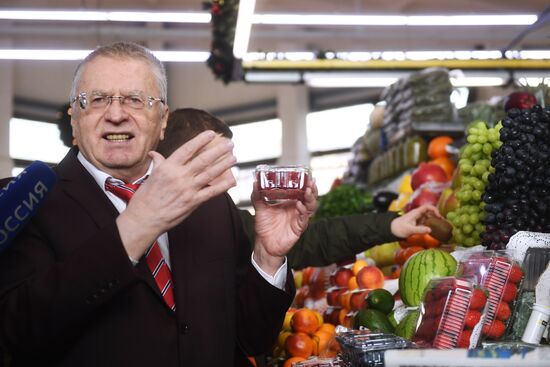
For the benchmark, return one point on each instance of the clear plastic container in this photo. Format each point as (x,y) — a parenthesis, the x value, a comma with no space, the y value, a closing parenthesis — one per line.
(278,184)
(498,273)
(451,314)
(362,348)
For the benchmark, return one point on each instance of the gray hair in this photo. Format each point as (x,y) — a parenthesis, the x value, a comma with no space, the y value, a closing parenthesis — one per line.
(125,50)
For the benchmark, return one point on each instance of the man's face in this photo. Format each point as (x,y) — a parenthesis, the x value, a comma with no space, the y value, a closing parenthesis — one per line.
(116,139)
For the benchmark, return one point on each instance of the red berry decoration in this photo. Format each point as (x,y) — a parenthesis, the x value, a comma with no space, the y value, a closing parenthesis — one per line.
(478,300)
(503,311)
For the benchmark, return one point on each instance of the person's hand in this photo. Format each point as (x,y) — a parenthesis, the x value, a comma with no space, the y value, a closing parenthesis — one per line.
(176,187)
(410,223)
(279,226)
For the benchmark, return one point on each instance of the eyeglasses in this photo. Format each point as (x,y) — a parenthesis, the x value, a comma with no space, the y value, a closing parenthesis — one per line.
(102,101)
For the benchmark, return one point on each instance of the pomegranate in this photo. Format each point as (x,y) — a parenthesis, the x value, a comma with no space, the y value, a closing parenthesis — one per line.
(427,172)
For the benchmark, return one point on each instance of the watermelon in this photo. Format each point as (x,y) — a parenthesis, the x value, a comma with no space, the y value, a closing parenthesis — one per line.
(407,326)
(419,269)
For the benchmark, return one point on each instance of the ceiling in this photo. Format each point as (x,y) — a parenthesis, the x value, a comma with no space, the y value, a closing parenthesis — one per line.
(78,35)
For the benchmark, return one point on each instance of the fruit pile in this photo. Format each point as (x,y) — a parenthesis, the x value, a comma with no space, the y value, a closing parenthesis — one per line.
(500,276)
(475,168)
(304,334)
(452,307)
(517,197)
(350,286)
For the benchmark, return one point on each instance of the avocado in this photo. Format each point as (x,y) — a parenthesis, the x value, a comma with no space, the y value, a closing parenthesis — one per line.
(373,320)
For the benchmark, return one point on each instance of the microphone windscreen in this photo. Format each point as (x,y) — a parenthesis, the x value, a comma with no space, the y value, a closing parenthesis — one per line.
(21,198)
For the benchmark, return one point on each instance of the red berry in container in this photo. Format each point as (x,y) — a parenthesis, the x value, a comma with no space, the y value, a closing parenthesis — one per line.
(510,292)
(478,300)
(464,339)
(495,330)
(515,274)
(472,318)
(503,311)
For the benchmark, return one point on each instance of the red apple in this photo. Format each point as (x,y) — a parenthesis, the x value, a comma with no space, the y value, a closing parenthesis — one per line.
(340,277)
(358,301)
(425,196)
(333,296)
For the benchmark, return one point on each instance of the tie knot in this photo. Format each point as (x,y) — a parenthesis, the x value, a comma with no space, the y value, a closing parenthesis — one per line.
(123,191)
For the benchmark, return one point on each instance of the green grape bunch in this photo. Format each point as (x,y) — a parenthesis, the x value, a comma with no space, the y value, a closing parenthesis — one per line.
(475,167)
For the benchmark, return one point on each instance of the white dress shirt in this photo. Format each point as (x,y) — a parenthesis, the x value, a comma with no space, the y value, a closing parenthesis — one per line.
(278,280)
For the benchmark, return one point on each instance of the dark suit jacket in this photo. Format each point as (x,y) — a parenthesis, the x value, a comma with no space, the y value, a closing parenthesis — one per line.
(69,296)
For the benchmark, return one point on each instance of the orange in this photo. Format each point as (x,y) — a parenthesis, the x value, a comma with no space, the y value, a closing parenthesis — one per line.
(328,328)
(446,163)
(430,241)
(357,265)
(292,360)
(321,340)
(304,320)
(438,146)
(416,239)
(352,283)
(252,361)
(299,345)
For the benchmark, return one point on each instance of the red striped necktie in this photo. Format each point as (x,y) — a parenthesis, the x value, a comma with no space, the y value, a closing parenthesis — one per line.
(153,256)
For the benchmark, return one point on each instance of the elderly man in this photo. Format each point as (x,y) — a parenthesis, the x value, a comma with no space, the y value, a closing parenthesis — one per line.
(139,260)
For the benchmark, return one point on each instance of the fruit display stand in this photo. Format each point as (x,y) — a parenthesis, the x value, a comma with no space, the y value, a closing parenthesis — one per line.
(498,191)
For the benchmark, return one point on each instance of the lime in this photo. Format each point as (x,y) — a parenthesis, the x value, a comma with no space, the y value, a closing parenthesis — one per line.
(381,300)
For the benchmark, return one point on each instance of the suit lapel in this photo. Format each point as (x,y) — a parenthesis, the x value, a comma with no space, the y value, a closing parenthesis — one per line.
(78,184)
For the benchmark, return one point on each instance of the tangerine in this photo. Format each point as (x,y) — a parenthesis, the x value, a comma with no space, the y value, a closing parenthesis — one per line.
(328,328)
(438,146)
(305,321)
(299,345)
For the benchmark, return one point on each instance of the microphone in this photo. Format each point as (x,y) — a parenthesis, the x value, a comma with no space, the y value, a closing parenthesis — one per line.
(21,198)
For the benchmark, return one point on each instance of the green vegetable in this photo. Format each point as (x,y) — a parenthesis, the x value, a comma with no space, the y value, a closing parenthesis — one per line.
(373,320)
(344,200)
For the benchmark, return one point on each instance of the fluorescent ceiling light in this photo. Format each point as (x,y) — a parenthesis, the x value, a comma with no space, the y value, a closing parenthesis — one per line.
(277,19)
(67,55)
(243,27)
(105,16)
(351,80)
(273,77)
(354,82)
(396,20)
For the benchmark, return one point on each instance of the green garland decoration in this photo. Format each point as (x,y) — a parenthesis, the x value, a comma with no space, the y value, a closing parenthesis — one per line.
(224,20)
